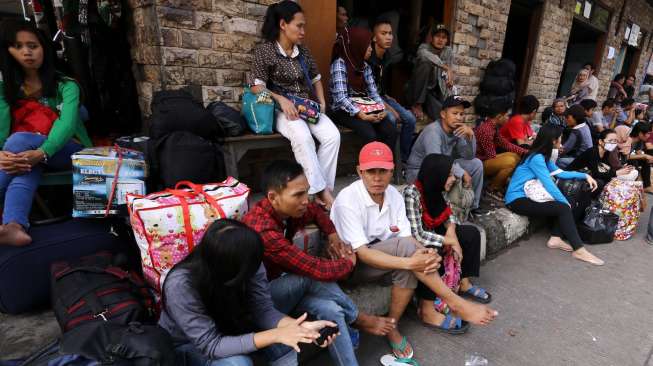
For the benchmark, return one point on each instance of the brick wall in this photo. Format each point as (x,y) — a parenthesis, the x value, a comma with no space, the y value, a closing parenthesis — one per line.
(202,45)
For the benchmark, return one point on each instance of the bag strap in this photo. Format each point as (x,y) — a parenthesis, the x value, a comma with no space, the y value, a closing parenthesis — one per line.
(185,210)
(199,190)
(307,76)
(114,184)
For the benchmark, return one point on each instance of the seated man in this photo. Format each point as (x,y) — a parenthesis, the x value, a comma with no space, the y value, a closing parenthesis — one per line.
(638,156)
(605,118)
(626,112)
(518,129)
(370,215)
(580,136)
(497,167)
(309,283)
(452,137)
(379,62)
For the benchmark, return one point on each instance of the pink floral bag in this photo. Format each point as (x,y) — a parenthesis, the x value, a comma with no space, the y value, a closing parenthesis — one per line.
(169,224)
(624,198)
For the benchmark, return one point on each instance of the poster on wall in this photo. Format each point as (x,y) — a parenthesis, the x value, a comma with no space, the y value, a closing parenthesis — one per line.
(634,35)
(649,68)
(611,53)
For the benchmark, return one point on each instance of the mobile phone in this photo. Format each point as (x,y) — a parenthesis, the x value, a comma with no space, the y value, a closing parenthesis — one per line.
(325,333)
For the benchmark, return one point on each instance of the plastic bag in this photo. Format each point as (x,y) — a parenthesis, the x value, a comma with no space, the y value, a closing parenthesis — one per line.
(475,360)
(599,225)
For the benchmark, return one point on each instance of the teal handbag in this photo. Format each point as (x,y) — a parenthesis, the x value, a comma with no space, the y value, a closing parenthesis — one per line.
(258,110)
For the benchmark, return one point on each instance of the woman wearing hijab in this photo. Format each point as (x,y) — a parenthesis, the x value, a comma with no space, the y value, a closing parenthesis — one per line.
(580,89)
(353,90)
(433,225)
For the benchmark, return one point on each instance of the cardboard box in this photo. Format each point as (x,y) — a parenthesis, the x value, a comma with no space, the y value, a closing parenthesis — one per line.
(94,172)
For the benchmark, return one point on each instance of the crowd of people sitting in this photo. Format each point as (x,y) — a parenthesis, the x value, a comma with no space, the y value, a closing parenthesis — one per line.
(230,297)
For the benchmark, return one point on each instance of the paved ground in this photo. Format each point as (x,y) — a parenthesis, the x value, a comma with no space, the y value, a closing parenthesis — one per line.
(553,310)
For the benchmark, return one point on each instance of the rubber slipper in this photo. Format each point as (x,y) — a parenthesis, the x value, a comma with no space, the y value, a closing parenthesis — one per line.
(459,326)
(390,360)
(476,293)
(401,347)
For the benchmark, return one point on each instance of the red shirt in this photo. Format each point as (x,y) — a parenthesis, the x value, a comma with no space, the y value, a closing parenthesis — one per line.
(516,128)
(487,141)
(281,254)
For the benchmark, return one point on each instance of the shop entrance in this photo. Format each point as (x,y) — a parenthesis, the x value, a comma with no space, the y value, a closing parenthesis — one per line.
(522,30)
(585,45)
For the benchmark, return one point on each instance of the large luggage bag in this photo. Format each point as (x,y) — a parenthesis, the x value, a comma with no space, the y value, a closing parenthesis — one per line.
(25,271)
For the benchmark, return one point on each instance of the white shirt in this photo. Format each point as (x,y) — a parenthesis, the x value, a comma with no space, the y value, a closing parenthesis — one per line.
(359,220)
(594,86)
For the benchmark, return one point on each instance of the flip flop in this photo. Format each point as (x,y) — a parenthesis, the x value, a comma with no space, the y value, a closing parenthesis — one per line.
(391,360)
(401,347)
(476,293)
(459,326)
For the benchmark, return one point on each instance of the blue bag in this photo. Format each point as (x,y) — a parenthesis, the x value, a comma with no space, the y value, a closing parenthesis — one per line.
(258,110)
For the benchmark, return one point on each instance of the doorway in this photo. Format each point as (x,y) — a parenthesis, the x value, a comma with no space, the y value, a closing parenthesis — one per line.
(585,45)
(627,60)
(522,30)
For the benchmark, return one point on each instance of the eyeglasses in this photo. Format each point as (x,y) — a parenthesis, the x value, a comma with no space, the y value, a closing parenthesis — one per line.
(611,141)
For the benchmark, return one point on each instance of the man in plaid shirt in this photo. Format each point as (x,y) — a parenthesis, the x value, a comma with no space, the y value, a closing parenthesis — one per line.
(497,167)
(300,282)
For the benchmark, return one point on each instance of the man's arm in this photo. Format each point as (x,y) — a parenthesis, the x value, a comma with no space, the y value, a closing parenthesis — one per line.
(378,259)
(285,254)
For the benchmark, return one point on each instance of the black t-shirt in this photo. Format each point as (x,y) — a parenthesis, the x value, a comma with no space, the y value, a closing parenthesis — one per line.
(599,167)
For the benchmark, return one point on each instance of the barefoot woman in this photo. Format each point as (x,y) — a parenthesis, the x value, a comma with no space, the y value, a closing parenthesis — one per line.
(29,76)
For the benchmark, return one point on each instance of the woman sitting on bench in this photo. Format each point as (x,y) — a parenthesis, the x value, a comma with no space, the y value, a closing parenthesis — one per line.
(40,126)
(285,67)
(218,308)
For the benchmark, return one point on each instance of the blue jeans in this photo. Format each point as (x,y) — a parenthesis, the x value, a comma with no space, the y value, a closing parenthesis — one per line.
(188,355)
(408,121)
(17,191)
(323,300)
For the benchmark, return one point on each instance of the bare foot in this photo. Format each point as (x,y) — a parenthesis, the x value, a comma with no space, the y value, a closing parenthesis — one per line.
(585,256)
(14,234)
(395,337)
(557,243)
(375,325)
(476,314)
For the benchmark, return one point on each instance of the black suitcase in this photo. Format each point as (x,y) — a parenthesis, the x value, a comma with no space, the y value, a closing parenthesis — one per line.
(25,271)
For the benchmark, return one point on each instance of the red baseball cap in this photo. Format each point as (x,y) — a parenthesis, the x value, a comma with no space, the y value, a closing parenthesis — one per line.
(376,155)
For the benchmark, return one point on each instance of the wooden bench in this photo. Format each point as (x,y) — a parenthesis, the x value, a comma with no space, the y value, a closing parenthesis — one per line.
(236,147)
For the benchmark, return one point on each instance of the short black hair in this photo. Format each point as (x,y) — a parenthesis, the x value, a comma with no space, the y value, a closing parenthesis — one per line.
(641,127)
(588,104)
(380,20)
(577,112)
(277,175)
(497,107)
(590,64)
(627,101)
(528,104)
(603,134)
(619,77)
(609,103)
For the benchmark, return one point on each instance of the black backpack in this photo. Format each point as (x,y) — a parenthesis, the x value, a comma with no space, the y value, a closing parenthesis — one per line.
(185,156)
(95,289)
(105,343)
(176,110)
(233,123)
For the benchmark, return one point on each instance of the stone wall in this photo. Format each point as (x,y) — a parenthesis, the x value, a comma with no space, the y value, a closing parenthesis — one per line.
(201,45)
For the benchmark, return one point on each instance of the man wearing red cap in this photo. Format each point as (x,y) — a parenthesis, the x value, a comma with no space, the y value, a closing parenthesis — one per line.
(370,215)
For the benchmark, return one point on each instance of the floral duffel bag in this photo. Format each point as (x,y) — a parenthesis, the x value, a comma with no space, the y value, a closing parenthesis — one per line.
(624,198)
(169,224)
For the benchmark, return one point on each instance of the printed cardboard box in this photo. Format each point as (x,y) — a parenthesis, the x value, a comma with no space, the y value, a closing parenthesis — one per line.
(94,171)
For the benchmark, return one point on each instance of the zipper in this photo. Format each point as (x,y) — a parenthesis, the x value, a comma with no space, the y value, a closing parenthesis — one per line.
(103,315)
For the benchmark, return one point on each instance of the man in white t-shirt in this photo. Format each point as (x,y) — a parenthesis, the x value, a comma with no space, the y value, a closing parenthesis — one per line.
(370,215)
(594,81)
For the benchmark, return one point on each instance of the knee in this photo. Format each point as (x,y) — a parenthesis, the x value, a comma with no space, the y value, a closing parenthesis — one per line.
(239,360)
(332,138)
(21,141)
(474,167)
(330,310)
(406,247)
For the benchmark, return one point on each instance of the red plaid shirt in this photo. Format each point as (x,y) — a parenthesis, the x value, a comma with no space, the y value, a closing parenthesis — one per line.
(281,254)
(488,139)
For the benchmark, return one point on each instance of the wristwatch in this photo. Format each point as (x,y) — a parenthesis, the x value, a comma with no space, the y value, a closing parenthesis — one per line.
(45,156)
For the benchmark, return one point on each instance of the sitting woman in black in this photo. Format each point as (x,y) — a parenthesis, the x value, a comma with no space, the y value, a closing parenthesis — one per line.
(602,161)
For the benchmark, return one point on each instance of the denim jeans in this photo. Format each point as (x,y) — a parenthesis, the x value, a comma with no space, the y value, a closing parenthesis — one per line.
(408,121)
(188,355)
(323,300)
(17,191)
